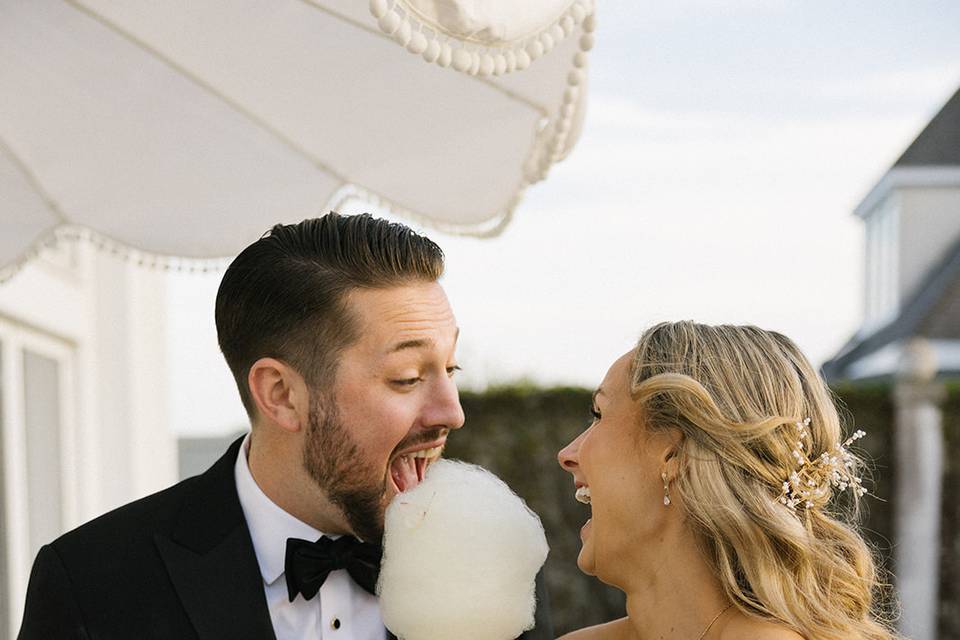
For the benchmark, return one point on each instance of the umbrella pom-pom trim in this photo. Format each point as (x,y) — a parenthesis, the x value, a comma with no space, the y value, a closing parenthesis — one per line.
(479,51)
(478,54)
(64,234)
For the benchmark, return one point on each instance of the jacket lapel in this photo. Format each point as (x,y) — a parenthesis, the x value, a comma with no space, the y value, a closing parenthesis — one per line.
(211,562)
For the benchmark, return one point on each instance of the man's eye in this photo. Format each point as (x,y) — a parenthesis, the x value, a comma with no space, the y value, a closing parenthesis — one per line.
(452,370)
(407,382)
(594,414)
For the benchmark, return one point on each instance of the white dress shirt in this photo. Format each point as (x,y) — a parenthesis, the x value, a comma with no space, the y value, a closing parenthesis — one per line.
(341,610)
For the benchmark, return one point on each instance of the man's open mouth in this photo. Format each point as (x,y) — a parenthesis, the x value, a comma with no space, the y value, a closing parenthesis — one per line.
(409,469)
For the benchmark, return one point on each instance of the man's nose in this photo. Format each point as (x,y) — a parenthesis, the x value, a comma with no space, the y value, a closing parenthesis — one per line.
(444,409)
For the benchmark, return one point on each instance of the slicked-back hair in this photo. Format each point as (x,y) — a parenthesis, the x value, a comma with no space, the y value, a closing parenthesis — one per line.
(284,296)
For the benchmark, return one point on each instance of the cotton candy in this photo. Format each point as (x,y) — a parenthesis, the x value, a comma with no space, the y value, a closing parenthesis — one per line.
(461,553)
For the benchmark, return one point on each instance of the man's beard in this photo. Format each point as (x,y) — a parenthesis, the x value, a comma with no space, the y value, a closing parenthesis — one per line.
(333,459)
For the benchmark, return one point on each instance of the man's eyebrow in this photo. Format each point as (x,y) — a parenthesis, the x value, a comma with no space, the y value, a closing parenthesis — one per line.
(411,344)
(418,343)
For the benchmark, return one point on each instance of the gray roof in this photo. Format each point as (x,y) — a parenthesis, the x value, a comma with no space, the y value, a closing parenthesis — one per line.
(939,142)
(933,312)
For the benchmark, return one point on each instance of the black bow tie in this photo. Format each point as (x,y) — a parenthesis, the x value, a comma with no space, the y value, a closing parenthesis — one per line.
(307,564)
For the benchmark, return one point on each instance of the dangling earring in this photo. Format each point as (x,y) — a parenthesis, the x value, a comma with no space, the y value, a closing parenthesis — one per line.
(666,490)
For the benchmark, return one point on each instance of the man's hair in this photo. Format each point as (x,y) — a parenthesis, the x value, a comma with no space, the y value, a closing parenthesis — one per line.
(284,296)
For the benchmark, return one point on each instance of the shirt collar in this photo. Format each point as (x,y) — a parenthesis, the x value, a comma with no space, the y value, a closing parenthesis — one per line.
(269,525)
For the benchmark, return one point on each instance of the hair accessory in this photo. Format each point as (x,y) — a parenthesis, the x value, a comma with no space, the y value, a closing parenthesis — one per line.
(806,483)
(666,489)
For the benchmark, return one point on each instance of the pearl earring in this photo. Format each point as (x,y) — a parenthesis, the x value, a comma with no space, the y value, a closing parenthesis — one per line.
(666,490)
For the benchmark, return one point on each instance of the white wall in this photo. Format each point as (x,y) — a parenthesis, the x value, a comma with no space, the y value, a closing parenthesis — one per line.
(87,328)
(929,225)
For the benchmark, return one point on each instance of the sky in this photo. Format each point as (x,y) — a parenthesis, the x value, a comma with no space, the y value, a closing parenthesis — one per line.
(724,149)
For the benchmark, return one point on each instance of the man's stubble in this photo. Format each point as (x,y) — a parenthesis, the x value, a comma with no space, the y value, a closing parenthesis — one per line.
(333,460)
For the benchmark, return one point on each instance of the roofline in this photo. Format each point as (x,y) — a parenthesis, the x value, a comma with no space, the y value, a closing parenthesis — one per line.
(885,362)
(905,324)
(906,177)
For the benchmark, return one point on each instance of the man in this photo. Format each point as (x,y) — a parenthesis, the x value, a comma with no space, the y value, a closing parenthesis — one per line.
(342,344)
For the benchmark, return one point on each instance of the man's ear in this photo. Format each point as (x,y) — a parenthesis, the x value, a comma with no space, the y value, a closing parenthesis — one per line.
(280,393)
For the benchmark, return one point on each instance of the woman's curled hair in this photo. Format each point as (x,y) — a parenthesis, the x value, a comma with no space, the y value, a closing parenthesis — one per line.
(737,394)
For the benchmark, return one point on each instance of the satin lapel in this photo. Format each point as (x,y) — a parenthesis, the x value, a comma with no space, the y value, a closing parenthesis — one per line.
(211,561)
(224,599)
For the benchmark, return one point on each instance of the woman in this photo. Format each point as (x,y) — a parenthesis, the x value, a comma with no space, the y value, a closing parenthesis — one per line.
(710,468)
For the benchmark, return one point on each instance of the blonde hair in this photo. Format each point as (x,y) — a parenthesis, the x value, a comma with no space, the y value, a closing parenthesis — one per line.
(736,394)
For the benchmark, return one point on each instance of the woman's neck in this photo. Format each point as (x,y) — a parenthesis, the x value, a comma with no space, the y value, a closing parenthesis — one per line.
(675,595)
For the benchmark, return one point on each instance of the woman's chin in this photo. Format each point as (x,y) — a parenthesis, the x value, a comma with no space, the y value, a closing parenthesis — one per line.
(584,563)
(585,559)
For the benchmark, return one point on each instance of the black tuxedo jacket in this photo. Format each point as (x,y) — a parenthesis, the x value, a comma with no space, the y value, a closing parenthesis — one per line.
(175,565)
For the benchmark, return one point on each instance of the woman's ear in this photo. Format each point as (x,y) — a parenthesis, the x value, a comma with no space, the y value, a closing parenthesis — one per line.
(280,393)
(671,442)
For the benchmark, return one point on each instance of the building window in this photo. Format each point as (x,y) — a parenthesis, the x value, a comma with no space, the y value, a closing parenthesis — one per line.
(882,266)
(36,418)
(6,624)
(41,421)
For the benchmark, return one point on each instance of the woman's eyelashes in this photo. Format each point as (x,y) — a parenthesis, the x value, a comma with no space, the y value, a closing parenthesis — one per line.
(594,415)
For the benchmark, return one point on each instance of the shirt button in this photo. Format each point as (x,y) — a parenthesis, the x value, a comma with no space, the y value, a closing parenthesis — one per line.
(335,623)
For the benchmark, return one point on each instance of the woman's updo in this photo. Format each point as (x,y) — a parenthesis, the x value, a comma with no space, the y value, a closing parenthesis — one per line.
(755,415)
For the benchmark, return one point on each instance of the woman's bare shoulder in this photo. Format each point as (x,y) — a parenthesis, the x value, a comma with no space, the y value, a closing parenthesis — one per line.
(748,628)
(615,630)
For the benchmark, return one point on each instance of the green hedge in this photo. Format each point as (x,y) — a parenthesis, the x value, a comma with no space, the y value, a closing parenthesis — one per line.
(950,529)
(516,433)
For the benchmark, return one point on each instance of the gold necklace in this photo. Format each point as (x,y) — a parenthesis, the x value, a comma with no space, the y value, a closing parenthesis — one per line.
(715,618)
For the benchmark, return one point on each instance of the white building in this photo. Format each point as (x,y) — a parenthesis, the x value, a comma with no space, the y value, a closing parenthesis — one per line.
(912,285)
(83,403)
(911,337)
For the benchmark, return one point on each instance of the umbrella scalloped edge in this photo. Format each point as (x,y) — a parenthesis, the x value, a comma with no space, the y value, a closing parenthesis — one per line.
(401,21)
(553,142)
(73,233)
(554,139)
(488,229)
(66,233)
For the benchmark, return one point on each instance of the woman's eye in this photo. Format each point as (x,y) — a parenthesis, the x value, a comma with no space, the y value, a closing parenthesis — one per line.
(452,370)
(594,414)
(407,382)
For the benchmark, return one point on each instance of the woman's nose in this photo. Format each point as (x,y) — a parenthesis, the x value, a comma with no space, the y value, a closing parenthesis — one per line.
(568,457)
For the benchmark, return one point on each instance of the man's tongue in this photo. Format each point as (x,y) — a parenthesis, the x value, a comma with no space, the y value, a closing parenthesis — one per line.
(407,471)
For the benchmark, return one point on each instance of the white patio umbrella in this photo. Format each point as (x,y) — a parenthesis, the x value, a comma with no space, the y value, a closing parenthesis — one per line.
(188,128)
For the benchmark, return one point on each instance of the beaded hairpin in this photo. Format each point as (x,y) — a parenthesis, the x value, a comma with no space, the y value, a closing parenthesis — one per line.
(805,484)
